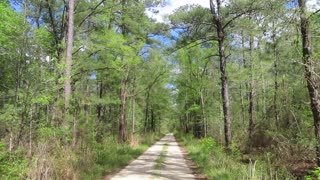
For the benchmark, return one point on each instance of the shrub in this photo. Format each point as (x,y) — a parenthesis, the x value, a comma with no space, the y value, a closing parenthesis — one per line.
(13,165)
(215,163)
(315,173)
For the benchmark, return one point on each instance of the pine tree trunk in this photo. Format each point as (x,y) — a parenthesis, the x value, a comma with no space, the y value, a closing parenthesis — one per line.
(224,88)
(242,104)
(133,114)
(30,131)
(203,114)
(67,83)
(312,83)
(276,84)
(217,20)
(99,114)
(122,119)
(133,105)
(146,118)
(153,123)
(74,128)
(251,94)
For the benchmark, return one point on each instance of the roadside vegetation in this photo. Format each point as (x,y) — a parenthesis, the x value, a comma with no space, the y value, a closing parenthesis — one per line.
(88,162)
(111,156)
(215,163)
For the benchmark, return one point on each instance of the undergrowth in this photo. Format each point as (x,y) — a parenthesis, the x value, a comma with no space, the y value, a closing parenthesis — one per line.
(13,165)
(315,174)
(215,163)
(88,160)
(110,156)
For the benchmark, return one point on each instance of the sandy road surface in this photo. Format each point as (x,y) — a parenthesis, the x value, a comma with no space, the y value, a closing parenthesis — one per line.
(174,166)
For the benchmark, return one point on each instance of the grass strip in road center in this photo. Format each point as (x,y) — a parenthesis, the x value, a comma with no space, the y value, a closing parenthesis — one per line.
(160,160)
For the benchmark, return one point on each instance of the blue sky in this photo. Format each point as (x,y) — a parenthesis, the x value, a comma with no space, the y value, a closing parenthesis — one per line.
(171,5)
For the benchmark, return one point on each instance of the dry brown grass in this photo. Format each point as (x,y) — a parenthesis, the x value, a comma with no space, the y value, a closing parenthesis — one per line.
(50,161)
(134,141)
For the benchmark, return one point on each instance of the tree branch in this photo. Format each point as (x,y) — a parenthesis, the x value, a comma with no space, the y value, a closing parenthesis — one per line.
(202,41)
(313,13)
(233,19)
(213,55)
(90,70)
(54,29)
(150,85)
(91,13)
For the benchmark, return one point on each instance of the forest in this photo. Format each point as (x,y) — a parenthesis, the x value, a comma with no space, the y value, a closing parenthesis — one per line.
(88,85)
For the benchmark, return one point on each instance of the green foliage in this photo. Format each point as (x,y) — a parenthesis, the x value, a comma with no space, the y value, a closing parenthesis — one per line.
(13,165)
(315,174)
(10,27)
(42,99)
(235,150)
(217,164)
(44,39)
(110,156)
(208,144)
(48,133)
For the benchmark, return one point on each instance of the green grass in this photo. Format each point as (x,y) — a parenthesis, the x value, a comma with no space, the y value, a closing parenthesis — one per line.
(160,160)
(13,165)
(110,156)
(213,162)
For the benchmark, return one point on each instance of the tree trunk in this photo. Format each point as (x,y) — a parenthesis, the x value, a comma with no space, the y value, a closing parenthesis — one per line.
(276,84)
(217,20)
(186,123)
(251,94)
(133,114)
(203,114)
(30,132)
(74,128)
(146,119)
(242,103)
(122,119)
(133,105)
(312,83)
(99,114)
(153,121)
(67,82)
(225,91)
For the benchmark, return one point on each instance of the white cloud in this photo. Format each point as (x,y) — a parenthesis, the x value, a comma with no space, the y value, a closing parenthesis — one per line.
(172,5)
(313,5)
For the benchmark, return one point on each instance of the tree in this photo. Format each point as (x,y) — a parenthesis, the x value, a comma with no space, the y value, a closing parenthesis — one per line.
(217,20)
(312,81)
(67,83)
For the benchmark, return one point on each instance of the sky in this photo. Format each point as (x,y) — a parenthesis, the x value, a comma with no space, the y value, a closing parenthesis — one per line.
(174,4)
(313,4)
(171,5)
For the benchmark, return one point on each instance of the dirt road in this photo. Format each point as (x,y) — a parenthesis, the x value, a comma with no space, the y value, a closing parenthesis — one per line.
(164,160)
